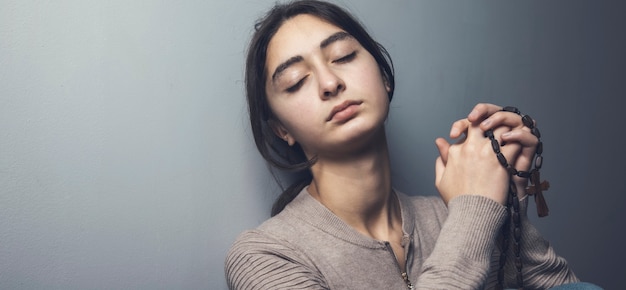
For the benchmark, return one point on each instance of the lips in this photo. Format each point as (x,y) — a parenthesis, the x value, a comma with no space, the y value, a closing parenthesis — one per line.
(341,107)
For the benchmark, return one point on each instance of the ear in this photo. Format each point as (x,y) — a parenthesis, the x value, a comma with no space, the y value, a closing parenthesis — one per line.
(387,86)
(280,131)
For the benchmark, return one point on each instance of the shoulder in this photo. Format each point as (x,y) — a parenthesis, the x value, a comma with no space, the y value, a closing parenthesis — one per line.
(274,255)
(276,238)
(257,260)
(257,244)
(271,237)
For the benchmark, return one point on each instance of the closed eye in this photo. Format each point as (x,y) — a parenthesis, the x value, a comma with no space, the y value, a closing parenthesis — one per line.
(346,58)
(297,86)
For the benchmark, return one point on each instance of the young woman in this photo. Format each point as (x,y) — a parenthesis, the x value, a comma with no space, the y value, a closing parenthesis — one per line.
(318,90)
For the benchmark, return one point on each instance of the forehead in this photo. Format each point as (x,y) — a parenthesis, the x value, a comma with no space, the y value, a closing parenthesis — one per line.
(299,35)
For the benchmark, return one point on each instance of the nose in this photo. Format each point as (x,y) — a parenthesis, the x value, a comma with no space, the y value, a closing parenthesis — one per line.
(330,83)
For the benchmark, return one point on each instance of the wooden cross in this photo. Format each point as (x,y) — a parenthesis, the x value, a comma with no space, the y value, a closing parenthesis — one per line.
(536,188)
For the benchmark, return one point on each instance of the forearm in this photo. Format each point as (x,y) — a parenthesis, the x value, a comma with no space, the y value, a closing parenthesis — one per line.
(461,257)
(541,266)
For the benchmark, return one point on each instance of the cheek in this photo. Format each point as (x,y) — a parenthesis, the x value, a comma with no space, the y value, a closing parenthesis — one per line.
(295,114)
(369,75)
(373,85)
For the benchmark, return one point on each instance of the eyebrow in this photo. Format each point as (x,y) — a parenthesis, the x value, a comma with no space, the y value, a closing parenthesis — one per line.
(341,35)
(283,66)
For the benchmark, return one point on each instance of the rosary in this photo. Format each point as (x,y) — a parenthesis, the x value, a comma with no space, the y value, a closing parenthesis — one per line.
(535,189)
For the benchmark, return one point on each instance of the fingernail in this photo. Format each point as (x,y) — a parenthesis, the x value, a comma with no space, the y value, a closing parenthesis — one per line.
(507,134)
(473,114)
(454,131)
(486,122)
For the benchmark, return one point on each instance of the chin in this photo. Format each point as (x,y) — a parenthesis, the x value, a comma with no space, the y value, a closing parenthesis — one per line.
(361,131)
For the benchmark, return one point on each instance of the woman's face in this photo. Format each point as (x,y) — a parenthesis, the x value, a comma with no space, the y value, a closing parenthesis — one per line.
(325,89)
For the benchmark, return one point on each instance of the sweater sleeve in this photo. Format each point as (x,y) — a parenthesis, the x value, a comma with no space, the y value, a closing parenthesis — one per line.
(462,255)
(542,268)
(256,261)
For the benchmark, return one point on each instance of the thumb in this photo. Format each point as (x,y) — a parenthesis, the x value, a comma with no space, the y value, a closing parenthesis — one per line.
(443,146)
(439,169)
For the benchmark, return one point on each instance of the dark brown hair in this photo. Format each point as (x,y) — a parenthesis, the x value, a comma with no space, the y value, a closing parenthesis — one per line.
(274,150)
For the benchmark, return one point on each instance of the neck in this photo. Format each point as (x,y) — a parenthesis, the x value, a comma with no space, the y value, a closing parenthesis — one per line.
(357,189)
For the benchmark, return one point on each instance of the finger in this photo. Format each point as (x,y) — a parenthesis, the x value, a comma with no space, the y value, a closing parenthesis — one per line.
(522,136)
(443,146)
(502,119)
(458,128)
(482,111)
(529,143)
(512,144)
(475,134)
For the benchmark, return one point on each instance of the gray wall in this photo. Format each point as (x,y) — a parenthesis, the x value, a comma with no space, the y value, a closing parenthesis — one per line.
(126,161)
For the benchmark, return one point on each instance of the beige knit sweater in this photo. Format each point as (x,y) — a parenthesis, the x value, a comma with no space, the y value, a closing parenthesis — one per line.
(307,247)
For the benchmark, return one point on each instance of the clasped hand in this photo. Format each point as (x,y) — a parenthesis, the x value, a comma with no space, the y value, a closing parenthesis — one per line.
(470,166)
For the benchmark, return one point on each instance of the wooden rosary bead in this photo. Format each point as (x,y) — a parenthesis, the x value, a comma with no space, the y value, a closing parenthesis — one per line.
(535,132)
(528,121)
(511,170)
(503,258)
(538,162)
(511,109)
(539,149)
(515,204)
(516,218)
(495,146)
(502,159)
